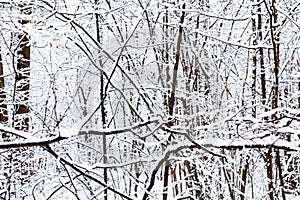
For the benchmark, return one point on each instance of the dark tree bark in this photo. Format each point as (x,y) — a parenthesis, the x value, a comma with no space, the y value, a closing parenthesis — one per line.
(3,106)
(22,80)
(254,59)
(103,113)
(171,100)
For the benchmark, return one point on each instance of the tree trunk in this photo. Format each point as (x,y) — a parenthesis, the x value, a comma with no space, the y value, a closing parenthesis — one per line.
(171,100)
(103,114)
(20,98)
(244,178)
(22,81)
(261,56)
(3,106)
(254,59)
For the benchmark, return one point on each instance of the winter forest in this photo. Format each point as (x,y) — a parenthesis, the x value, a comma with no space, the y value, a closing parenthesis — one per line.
(149,99)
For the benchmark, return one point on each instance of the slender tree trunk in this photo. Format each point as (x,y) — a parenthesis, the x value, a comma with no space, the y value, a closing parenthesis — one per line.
(21,97)
(166,61)
(171,101)
(3,106)
(275,43)
(299,90)
(254,59)
(103,113)
(244,178)
(261,56)
(275,99)
(22,81)
(3,120)
(270,173)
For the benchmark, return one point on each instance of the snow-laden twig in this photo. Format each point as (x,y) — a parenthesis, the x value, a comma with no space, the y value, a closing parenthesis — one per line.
(22,134)
(85,171)
(233,43)
(108,131)
(28,140)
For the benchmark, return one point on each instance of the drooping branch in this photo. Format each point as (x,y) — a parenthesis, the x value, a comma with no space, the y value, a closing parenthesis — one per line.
(85,172)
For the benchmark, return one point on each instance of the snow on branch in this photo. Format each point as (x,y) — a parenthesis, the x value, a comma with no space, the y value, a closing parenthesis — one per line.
(117,131)
(30,143)
(267,142)
(257,146)
(28,140)
(234,43)
(15,132)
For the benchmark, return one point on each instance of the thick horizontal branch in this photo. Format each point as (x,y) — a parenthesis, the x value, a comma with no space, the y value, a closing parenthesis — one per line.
(30,143)
(28,140)
(117,131)
(256,146)
(219,143)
